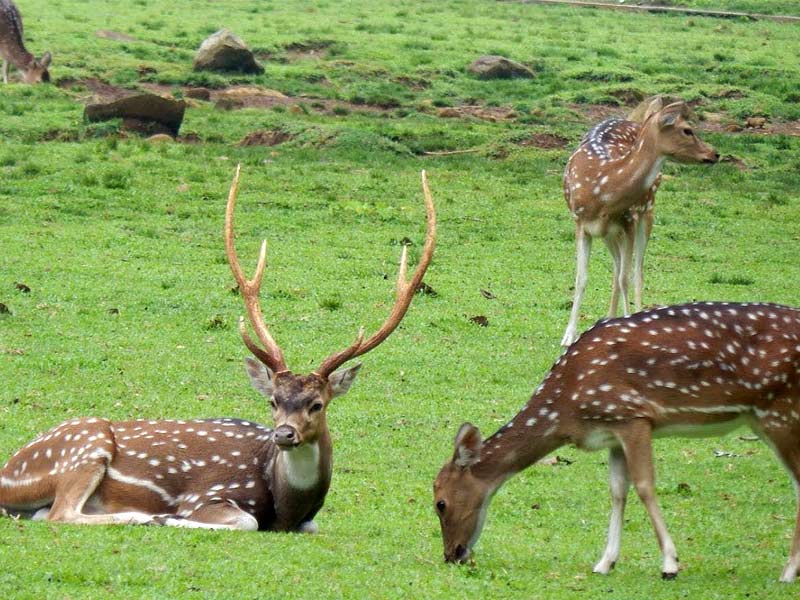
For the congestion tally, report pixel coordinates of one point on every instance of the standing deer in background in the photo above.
(695, 369)
(610, 184)
(210, 473)
(12, 48)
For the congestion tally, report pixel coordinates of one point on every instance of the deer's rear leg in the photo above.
(637, 444)
(584, 249)
(642, 228)
(75, 488)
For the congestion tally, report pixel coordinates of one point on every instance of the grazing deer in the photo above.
(610, 184)
(209, 473)
(12, 48)
(694, 369)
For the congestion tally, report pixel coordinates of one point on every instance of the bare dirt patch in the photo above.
(265, 138)
(96, 88)
(486, 113)
(545, 141)
(311, 49)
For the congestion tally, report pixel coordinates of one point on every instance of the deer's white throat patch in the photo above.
(301, 466)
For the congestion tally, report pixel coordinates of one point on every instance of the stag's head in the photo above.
(299, 402)
(36, 71)
(461, 497)
(676, 136)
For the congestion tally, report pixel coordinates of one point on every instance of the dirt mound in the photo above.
(546, 141)
(263, 137)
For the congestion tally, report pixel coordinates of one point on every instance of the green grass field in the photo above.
(130, 311)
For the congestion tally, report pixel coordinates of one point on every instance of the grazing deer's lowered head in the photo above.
(12, 48)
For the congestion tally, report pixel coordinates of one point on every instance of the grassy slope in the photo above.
(130, 312)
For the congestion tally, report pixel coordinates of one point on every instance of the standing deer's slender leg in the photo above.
(784, 443)
(792, 461)
(584, 250)
(614, 245)
(637, 443)
(5, 71)
(626, 251)
(619, 485)
(643, 227)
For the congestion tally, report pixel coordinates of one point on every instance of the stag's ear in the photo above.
(45, 60)
(468, 446)
(342, 379)
(260, 376)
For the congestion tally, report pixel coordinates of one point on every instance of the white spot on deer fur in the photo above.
(531, 422)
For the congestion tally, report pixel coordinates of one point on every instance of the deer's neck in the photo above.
(307, 466)
(15, 54)
(12, 47)
(637, 171)
(533, 433)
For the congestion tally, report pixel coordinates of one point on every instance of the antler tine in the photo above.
(271, 354)
(405, 293)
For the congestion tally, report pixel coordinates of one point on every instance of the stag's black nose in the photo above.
(285, 436)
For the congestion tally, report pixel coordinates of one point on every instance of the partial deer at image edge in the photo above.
(13, 51)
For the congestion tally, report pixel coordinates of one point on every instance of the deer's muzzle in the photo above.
(286, 437)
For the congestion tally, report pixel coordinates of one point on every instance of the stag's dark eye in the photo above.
(688, 132)
(316, 407)
(440, 506)
(273, 404)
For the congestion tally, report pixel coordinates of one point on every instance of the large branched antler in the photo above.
(405, 294)
(270, 354)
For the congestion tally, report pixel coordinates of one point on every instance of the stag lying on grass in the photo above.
(210, 473)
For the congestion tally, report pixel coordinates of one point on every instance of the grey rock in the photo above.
(224, 51)
(499, 67)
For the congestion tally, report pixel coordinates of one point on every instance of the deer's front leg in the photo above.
(5, 71)
(224, 514)
(619, 485)
(584, 250)
(637, 445)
